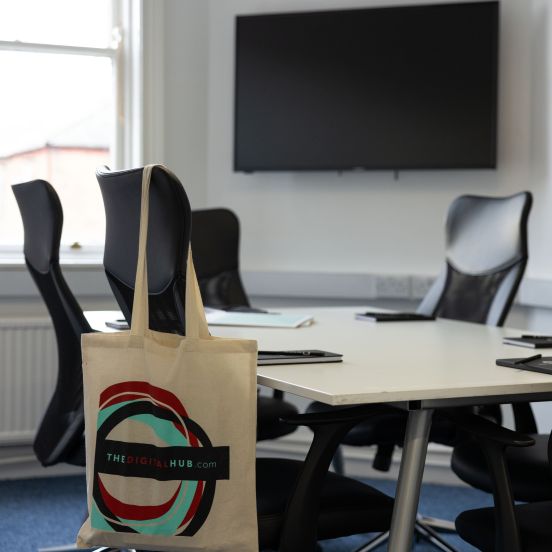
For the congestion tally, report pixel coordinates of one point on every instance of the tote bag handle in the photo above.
(196, 324)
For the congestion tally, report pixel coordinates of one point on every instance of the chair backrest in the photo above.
(486, 255)
(167, 248)
(215, 246)
(58, 438)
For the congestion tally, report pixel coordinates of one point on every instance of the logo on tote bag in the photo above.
(166, 488)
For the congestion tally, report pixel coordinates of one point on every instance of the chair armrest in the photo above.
(350, 415)
(493, 440)
(301, 517)
(485, 430)
(524, 417)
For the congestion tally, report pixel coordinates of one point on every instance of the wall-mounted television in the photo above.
(410, 87)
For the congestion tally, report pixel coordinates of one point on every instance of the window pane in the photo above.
(58, 125)
(70, 22)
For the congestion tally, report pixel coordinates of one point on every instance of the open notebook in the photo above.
(217, 317)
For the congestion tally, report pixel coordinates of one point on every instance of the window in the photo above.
(60, 106)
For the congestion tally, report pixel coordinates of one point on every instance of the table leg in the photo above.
(410, 480)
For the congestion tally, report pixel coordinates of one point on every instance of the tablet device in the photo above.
(120, 324)
(302, 356)
(536, 363)
(530, 341)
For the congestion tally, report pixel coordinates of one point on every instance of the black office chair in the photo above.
(486, 255)
(507, 527)
(297, 503)
(215, 246)
(60, 436)
(529, 480)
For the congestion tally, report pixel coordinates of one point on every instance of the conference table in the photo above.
(417, 366)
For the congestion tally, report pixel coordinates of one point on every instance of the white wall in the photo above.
(185, 47)
(540, 144)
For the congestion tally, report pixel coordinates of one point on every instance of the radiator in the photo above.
(28, 373)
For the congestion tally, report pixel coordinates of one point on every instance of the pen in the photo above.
(528, 359)
(536, 337)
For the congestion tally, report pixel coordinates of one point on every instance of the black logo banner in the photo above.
(162, 463)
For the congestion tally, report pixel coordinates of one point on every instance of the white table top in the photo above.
(387, 362)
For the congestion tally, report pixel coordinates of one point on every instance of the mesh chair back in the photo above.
(486, 255)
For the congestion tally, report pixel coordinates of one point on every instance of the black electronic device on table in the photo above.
(536, 363)
(393, 316)
(530, 341)
(119, 324)
(296, 357)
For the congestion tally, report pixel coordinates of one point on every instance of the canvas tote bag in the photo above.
(170, 430)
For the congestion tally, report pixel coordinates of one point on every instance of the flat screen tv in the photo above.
(378, 88)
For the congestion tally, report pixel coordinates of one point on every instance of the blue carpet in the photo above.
(49, 512)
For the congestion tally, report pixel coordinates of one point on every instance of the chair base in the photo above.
(441, 525)
(421, 531)
(374, 543)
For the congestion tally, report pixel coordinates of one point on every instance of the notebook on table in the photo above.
(296, 357)
(536, 363)
(217, 317)
(118, 324)
(530, 341)
(392, 316)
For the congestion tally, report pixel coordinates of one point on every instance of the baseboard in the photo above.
(21, 463)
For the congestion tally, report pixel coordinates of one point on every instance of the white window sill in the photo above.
(84, 273)
(12, 258)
